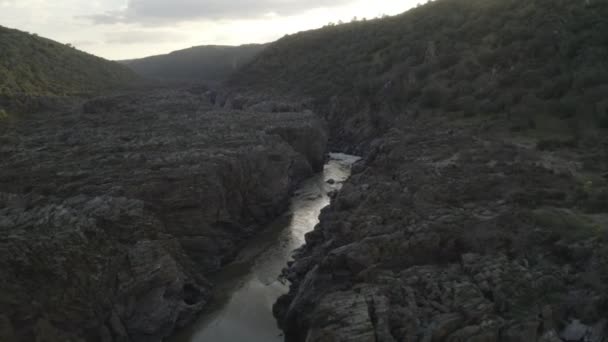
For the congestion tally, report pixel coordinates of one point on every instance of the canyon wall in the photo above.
(115, 213)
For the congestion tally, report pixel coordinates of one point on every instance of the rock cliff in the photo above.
(458, 230)
(114, 214)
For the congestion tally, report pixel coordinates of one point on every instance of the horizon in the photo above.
(133, 29)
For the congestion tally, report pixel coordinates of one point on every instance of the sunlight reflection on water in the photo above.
(249, 286)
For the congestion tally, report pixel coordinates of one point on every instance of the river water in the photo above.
(247, 288)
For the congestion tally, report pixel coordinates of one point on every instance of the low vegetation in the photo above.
(568, 224)
(32, 65)
(469, 57)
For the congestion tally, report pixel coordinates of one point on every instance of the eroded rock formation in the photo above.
(114, 214)
(458, 231)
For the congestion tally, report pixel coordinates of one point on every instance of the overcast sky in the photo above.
(121, 29)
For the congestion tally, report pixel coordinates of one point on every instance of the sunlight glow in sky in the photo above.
(122, 29)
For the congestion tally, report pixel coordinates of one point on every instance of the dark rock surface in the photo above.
(458, 231)
(113, 215)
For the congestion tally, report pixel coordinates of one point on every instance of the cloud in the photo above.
(139, 37)
(110, 17)
(163, 11)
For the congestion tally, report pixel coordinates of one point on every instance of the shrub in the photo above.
(505, 100)
(602, 114)
(488, 57)
(556, 144)
(422, 72)
(449, 60)
(545, 56)
(467, 104)
(564, 223)
(567, 107)
(555, 88)
(597, 201)
(590, 77)
(432, 96)
(487, 106)
(37, 66)
(530, 79)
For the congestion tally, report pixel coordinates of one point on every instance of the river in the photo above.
(247, 288)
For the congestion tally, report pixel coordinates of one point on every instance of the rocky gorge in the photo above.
(114, 211)
(458, 230)
(448, 230)
(477, 212)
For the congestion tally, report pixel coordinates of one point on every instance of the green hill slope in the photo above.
(468, 57)
(201, 63)
(32, 65)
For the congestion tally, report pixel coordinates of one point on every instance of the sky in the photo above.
(125, 29)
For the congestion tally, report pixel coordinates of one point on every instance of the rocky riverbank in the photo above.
(459, 230)
(241, 309)
(114, 213)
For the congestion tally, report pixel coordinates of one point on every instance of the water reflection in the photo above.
(248, 287)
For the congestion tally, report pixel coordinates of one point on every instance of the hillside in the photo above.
(200, 63)
(33, 65)
(477, 211)
(480, 209)
(473, 58)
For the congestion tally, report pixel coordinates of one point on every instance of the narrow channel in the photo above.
(249, 286)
